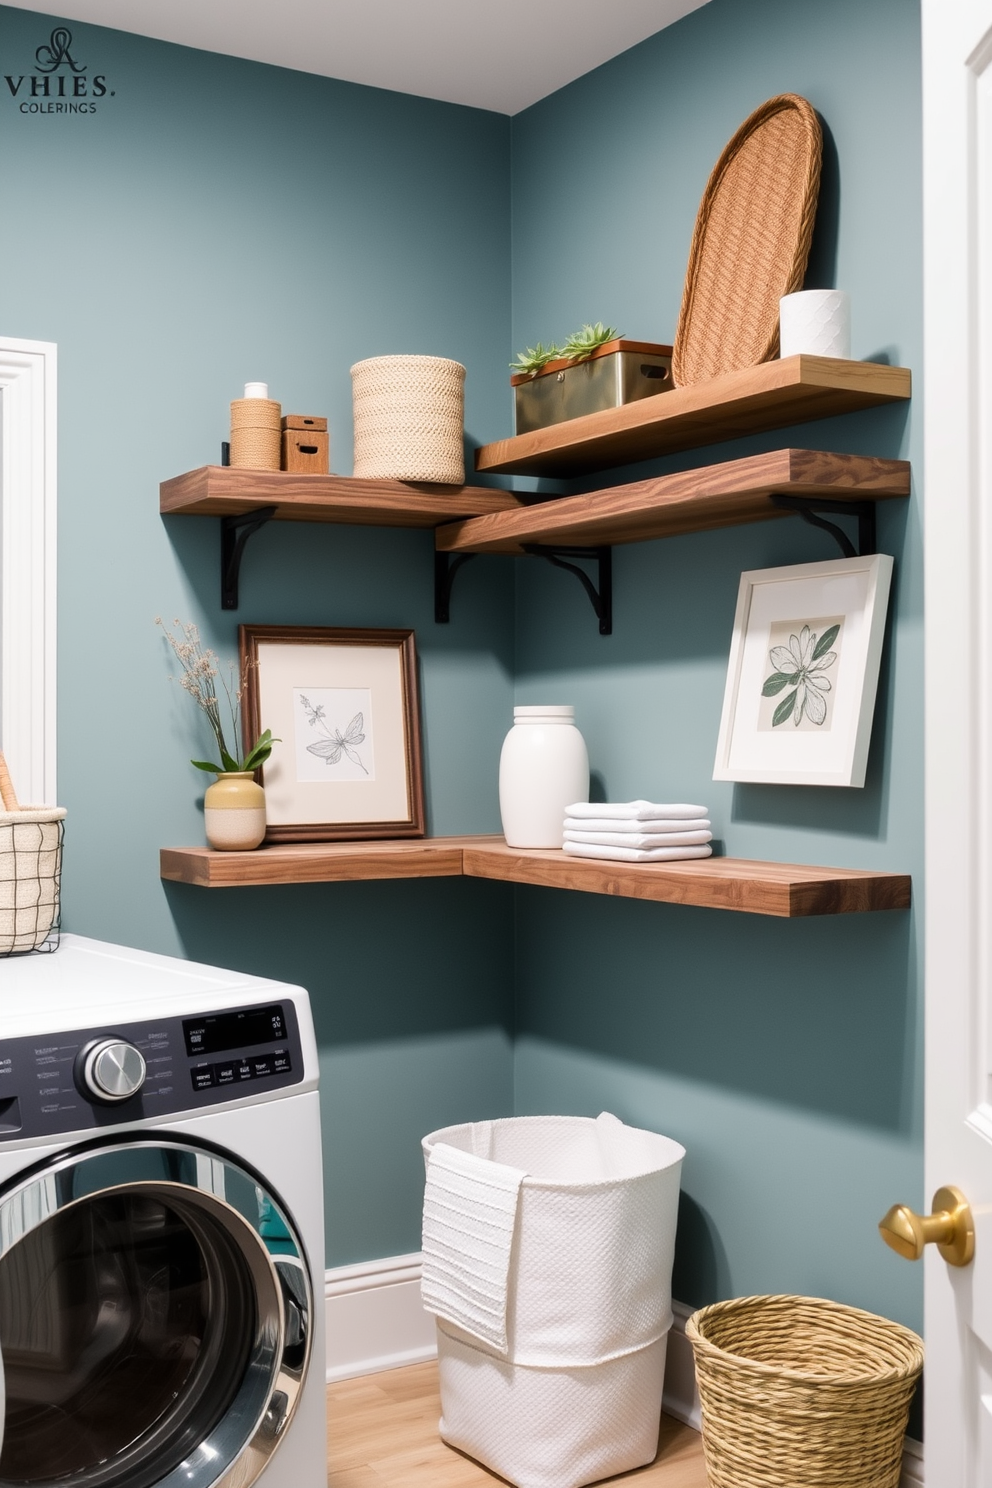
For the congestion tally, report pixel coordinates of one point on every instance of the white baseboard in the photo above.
(375, 1321)
(680, 1398)
(912, 1465)
(374, 1318)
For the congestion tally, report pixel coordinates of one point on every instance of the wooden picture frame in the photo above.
(344, 706)
(803, 673)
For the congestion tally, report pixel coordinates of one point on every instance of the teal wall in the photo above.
(171, 260)
(785, 1056)
(217, 221)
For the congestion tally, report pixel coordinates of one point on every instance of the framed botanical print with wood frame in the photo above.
(344, 709)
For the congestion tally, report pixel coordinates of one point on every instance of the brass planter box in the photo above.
(619, 372)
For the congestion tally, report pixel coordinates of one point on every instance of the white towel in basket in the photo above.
(470, 1213)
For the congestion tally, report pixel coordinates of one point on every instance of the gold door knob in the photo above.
(950, 1227)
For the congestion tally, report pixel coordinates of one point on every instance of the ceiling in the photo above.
(493, 54)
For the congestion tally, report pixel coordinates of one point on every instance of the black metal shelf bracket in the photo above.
(234, 534)
(445, 568)
(601, 598)
(810, 507)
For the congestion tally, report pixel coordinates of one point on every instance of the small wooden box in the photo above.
(305, 445)
(305, 421)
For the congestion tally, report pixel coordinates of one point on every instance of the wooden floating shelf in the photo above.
(223, 491)
(692, 501)
(317, 862)
(787, 890)
(770, 396)
(781, 889)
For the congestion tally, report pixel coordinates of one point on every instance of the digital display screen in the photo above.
(217, 1032)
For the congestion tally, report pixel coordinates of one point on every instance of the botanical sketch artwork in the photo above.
(333, 728)
(804, 662)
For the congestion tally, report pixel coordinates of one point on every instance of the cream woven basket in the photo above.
(798, 1391)
(409, 419)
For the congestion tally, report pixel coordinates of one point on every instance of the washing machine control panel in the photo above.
(93, 1077)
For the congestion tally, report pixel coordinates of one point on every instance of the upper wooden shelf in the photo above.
(770, 396)
(692, 501)
(781, 889)
(223, 491)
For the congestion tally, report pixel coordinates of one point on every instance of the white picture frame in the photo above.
(811, 635)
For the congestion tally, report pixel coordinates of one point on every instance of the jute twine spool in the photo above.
(409, 419)
(795, 1390)
(256, 433)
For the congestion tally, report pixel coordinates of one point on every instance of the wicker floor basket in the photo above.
(802, 1393)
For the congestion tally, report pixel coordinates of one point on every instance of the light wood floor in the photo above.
(382, 1433)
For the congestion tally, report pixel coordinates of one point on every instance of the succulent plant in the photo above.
(583, 343)
(534, 358)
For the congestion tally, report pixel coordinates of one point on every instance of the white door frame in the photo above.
(957, 238)
(28, 473)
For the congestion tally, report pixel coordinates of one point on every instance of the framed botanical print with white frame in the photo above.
(803, 673)
(343, 707)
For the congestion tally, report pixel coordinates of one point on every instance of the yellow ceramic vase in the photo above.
(234, 812)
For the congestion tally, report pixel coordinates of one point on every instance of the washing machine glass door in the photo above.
(155, 1309)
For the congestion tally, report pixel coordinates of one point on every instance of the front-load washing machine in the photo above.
(161, 1226)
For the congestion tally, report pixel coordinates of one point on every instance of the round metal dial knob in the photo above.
(113, 1070)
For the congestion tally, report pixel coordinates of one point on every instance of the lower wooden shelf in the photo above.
(724, 495)
(786, 890)
(317, 862)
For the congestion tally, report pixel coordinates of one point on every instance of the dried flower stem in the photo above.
(200, 670)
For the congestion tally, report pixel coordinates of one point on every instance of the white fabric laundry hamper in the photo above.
(548, 1246)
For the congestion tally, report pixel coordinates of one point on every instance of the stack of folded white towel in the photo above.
(637, 831)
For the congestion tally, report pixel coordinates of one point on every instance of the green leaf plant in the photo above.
(531, 361)
(200, 669)
(591, 337)
(580, 344)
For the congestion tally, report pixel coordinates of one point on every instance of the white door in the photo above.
(27, 565)
(957, 131)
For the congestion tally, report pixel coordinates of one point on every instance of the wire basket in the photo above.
(796, 1390)
(30, 879)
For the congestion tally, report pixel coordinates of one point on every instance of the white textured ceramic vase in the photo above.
(544, 767)
(815, 322)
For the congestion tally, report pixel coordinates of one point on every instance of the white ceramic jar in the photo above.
(815, 322)
(544, 767)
